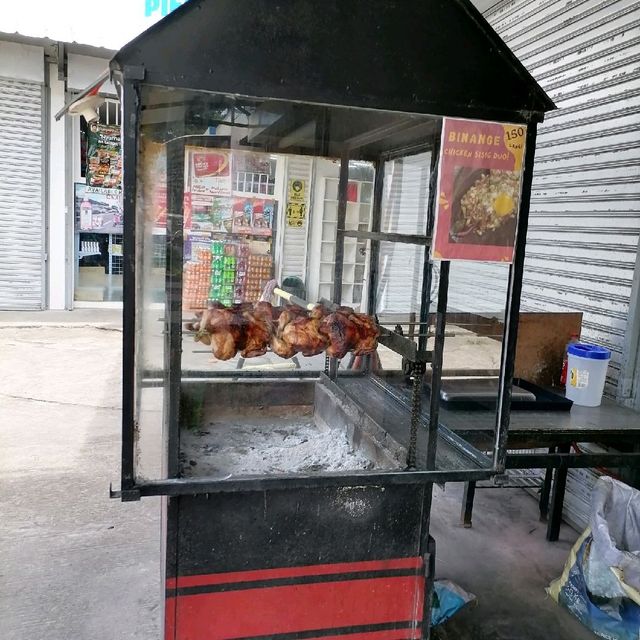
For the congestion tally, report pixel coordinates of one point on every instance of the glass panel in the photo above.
(400, 269)
(406, 194)
(472, 349)
(233, 200)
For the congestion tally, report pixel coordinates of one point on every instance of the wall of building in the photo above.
(585, 206)
(22, 181)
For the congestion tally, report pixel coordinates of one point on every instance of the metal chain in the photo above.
(326, 364)
(416, 406)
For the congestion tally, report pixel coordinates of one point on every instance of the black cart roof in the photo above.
(435, 57)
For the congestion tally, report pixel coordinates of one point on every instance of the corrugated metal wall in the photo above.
(585, 207)
(294, 248)
(404, 210)
(21, 196)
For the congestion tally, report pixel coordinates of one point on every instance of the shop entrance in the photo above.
(98, 208)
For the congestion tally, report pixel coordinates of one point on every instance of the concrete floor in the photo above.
(77, 565)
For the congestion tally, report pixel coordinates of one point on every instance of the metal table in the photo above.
(608, 424)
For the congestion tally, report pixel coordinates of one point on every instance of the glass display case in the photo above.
(298, 434)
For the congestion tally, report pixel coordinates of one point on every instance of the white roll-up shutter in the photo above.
(21, 196)
(585, 205)
(404, 210)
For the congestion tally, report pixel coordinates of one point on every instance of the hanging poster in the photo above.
(296, 205)
(208, 174)
(479, 185)
(104, 161)
(253, 216)
(154, 181)
(97, 210)
(214, 216)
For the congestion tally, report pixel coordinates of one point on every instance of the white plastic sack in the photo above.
(613, 567)
(600, 584)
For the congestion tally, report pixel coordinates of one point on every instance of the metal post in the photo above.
(131, 106)
(427, 273)
(557, 497)
(428, 547)
(512, 316)
(374, 253)
(467, 504)
(173, 303)
(343, 186)
(436, 365)
(543, 505)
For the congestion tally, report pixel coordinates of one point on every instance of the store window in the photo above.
(98, 208)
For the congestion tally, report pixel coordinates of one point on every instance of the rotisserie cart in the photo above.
(297, 491)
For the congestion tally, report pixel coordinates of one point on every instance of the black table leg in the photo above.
(546, 490)
(467, 504)
(557, 498)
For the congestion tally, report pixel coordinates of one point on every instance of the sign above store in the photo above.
(160, 7)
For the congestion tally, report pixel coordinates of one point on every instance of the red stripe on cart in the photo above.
(293, 572)
(391, 634)
(273, 611)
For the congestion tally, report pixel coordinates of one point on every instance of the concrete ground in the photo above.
(77, 565)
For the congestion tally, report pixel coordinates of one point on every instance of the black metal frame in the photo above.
(416, 354)
(130, 105)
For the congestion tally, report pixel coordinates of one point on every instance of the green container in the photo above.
(228, 277)
(217, 248)
(216, 277)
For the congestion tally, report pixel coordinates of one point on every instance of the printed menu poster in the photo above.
(209, 174)
(479, 188)
(104, 161)
(97, 210)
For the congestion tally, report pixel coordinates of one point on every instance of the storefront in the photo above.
(97, 206)
(22, 194)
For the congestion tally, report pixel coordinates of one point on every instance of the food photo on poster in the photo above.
(97, 210)
(104, 160)
(480, 179)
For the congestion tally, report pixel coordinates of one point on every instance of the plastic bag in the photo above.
(615, 528)
(600, 584)
(448, 598)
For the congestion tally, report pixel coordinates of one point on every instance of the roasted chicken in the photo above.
(258, 326)
(279, 345)
(252, 329)
(350, 331)
(304, 335)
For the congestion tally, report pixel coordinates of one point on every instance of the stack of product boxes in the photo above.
(223, 272)
(228, 273)
(196, 280)
(258, 274)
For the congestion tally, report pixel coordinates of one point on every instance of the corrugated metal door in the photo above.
(404, 210)
(21, 196)
(585, 206)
